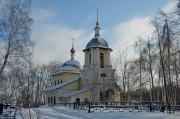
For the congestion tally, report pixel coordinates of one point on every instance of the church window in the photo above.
(55, 82)
(48, 100)
(103, 74)
(101, 60)
(54, 100)
(61, 80)
(51, 100)
(58, 81)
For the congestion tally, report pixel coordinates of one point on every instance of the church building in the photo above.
(94, 82)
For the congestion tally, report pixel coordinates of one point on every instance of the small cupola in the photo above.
(72, 50)
(71, 65)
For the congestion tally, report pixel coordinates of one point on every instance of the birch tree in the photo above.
(15, 22)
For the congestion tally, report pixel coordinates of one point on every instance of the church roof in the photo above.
(76, 92)
(59, 71)
(61, 84)
(97, 42)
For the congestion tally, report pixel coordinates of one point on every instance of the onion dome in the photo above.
(71, 65)
(97, 41)
(72, 50)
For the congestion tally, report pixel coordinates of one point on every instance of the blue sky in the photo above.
(56, 22)
(82, 13)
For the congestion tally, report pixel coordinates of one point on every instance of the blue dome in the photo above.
(70, 65)
(97, 42)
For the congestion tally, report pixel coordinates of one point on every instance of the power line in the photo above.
(133, 34)
(129, 40)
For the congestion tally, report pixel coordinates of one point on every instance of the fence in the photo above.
(122, 106)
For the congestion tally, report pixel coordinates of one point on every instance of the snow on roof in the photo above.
(70, 65)
(59, 71)
(61, 84)
(76, 92)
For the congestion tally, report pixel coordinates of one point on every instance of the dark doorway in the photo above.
(102, 96)
(78, 100)
(110, 95)
(107, 95)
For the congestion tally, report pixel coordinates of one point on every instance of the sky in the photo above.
(56, 22)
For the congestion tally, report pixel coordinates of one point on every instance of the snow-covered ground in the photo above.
(60, 112)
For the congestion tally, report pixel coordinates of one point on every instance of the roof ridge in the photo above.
(61, 84)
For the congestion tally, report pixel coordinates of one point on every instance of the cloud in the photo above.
(170, 6)
(128, 32)
(43, 15)
(89, 19)
(53, 41)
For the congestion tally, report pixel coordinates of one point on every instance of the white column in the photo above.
(109, 59)
(92, 57)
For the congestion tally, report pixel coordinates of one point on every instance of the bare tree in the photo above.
(139, 45)
(121, 65)
(150, 60)
(14, 32)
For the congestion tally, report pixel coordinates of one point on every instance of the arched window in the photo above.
(58, 81)
(55, 82)
(48, 100)
(51, 100)
(78, 101)
(54, 100)
(101, 60)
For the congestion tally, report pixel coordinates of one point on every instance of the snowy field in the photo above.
(46, 112)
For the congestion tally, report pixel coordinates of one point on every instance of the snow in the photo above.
(70, 65)
(68, 68)
(61, 71)
(61, 84)
(61, 112)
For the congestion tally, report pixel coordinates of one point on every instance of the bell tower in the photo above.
(97, 71)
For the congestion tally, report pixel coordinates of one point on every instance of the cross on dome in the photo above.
(72, 50)
(97, 28)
